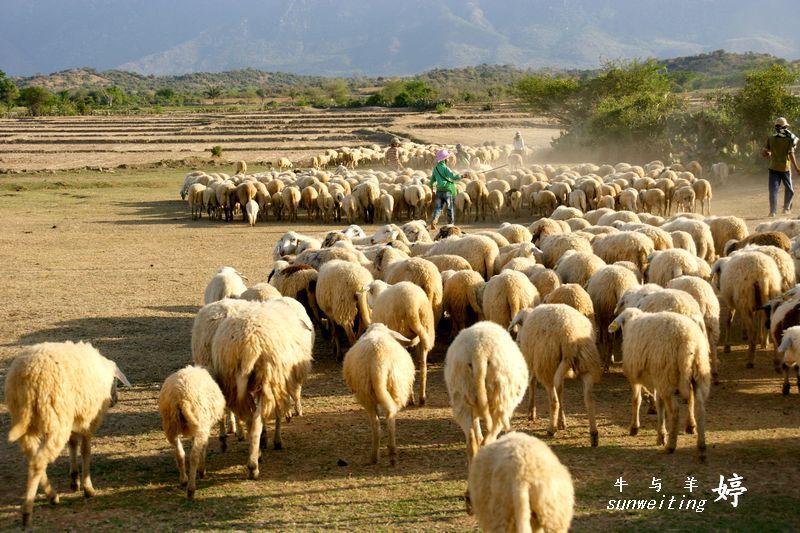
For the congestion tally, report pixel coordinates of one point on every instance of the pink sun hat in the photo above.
(441, 155)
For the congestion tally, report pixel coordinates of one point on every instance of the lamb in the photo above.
(624, 246)
(195, 196)
(684, 198)
(705, 297)
(747, 281)
(339, 292)
(665, 352)
(462, 206)
(505, 295)
(79, 385)
(226, 283)
(486, 377)
(666, 265)
(190, 403)
(479, 250)
(518, 484)
(405, 308)
(260, 358)
(495, 201)
(605, 288)
(291, 197)
(702, 191)
(558, 342)
(460, 299)
(251, 208)
(577, 267)
(790, 347)
(392, 268)
(380, 374)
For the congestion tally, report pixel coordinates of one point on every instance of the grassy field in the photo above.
(115, 259)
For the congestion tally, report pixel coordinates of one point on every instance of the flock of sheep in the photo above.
(518, 305)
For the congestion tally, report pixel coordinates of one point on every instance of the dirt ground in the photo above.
(115, 259)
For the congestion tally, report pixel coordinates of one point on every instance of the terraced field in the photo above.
(60, 143)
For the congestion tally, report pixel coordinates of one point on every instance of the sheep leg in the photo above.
(180, 460)
(74, 476)
(700, 414)
(423, 373)
(49, 491)
(786, 387)
(238, 427)
(390, 429)
(588, 401)
(35, 473)
(86, 466)
(277, 443)
(554, 407)
(671, 414)
(691, 423)
(726, 320)
(532, 397)
(298, 403)
(201, 465)
(559, 382)
(660, 424)
(254, 437)
(636, 403)
(375, 429)
(475, 437)
(752, 340)
(194, 460)
(223, 435)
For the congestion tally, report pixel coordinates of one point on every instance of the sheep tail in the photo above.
(521, 500)
(364, 319)
(21, 427)
(481, 396)
(381, 390)
(186, 415)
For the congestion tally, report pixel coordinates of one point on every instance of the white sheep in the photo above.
(667, 353)
(518, 484)
(486, 377)
(790, 348)
(190, 403)
(58, 392)
(405, 308)
(577, 267)
(558, 342)
(505, 294)
(606, 287)
(380, 374)
(461, 299)
(260, 357)
(480, 250)
(226, 283)
(666, 265)
(251, 207)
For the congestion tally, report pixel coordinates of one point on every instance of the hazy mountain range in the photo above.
(379, 37)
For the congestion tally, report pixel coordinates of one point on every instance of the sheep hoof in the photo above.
(392, 461)
(277, 446)
(562, 424)
(670, 449)
(88, 492)
(595, 439)
(54, 499)
(190, 494)
(660, 440)
(184, 482)
(551, 432)
(715, 378)
(26, 519)
(201, 474)
(223, 444)
(252, 472)
(690, 430)
(422, 402)
(749, 365)
(74, 481)
(634, 431)
(468, 503)
(786, 388)
(651, 410)
(726, 349)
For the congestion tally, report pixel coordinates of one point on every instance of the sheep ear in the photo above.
(120, 376)
(785, 344)
(613, 327)
(394, 235)
(403, 340)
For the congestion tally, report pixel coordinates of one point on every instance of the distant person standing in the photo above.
(780, 149)
(392, 155)
(443, 183)
(462, 157)
(519, 145)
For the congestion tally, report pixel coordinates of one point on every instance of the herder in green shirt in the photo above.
(443, 183)
(780, 150)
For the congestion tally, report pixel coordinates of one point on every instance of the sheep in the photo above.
(574, 296)
(479, 250)
(747, 281)
(190, 403)
(703, 293)
(505, 295)
(416, 231)
(291, 198)
(195, 195)
(558, 342)
(684, 198)
(518, 484)
(545, 280)
(577, 267)
(380, 374)
(298, 282)
(507, 253)
(605, 288)
(653, 201)
(251, 208)
(514, 233)
(292, 243)
(700, 232)
(702, 191)
(543, 228)
(554, 246)
(405, 308)
(366, 196)
(226, 283)
(724, 229)
(245, 192)
(627, 217)
(486, 377)
(667, 353)
(449, 262)
(58, 392)
(462, 204)
(681, 239)
(495, 201)
(284, 163)
(460, 299)
(392, 268)
(790, 347)
(766, 238)
(624, 246)
(670, 264)
(260, 359)
(385, 207)
(260, 292)
(339, 293)
(784, 262)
